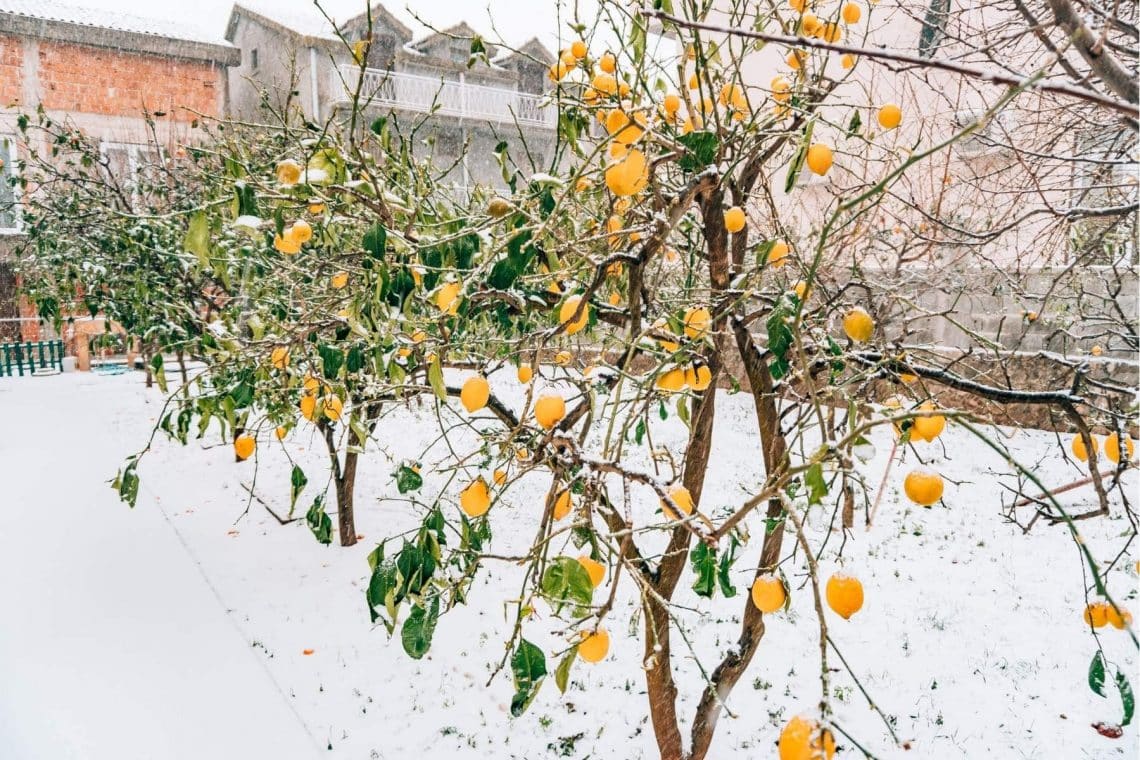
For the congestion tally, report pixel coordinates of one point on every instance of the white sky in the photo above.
(516, 20)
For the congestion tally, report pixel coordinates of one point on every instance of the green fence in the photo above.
(29, 356)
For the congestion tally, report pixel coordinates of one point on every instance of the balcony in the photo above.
(429, 95)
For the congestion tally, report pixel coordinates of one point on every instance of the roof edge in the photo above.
(120, 39)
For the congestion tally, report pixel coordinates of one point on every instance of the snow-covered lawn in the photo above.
(181, 629)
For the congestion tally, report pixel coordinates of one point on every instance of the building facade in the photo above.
(107, 74)
(459, 112)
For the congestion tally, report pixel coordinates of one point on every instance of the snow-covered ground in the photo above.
(180, 629)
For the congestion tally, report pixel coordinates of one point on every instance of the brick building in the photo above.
(101, 72)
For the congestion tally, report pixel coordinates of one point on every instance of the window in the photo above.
(253, 62)
(1103, 197)
(9, 210)
(134, 168)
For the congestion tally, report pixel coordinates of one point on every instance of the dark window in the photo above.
(253, 59)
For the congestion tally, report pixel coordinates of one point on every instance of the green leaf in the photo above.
(562, 672)
(814, 481)
(780, 337)
(158, 369)
(723, 573)
(419, 628)
(703, 560)
(567, 582)
(127, 484)
(701, 150)
(797, 164)
(435, 378)
(332, 358)
(197, 239)
(683, 410)
(297, 483)
(855, 124)
(529, 667)
(1127, 698)
(376, 241)
(319, 522)
(639, 431)
(408, 479)
(1096, 673)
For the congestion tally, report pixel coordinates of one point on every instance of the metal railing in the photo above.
(424, 94)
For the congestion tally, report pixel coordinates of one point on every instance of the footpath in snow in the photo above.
(113, 645)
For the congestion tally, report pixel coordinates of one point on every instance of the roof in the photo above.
(306, 21)
(50, 10)
(125, 31)
(532, 48)
(461, 31)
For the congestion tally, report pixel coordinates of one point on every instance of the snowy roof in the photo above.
(307, 21)
(52, 11)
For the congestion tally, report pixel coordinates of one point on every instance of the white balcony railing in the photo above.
(423, 94)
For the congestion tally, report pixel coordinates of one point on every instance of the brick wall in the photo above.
(78, 78)
(11, 64)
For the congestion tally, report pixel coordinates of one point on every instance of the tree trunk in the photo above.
(345, 492)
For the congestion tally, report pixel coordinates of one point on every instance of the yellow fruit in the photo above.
(847, 61)
(768, 594)
(852, 13)
(923, 487)
(614, 298)
(286, 245)
(803, 739)
(563, 358)
(475, 499)
(890, 116)
(1096, 350)
(525, 373)
(628, 176)
(288, 172)
(844, 595)
(858, 325)
(799, 6)
(607, 63)
(694, 82)
(810, 24)
(594, 646)
(733, 95)
(562, 505)
(778, 254)
(244, 445)
(1078, 447)
(301, 231)
(568, 310)
(316, 208)
(802, 291)
(830, 32)
(447, 298)
(819, 158)
(1118, 620)
(682, 498)
(671, 381)
(1112, 448)
(697, 322)
(557, 71)
(671, 104)
(1096, 614)
(702, 378)
(928, 425)
(796, 59)
(475, 393)
(568, 59)
(781, 89)
(500, 477)
(281, 432)
(583, 184)
(605, 84)
(339, 280)
(578, 49)
(735, 219)
(279, 357)
(499, 207)
(690, 376)
(549, 410)
(333, 407)
(596, 570)
(308, 406)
